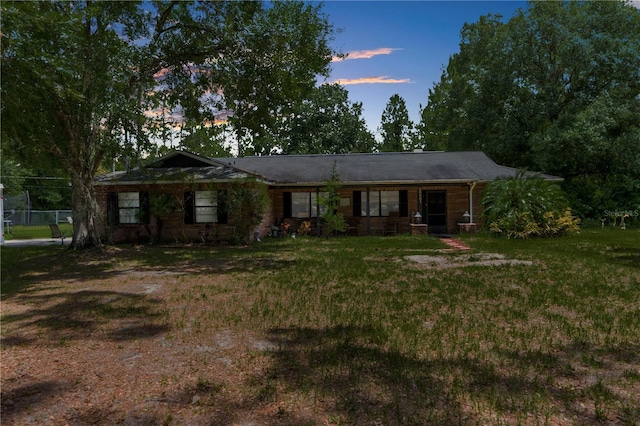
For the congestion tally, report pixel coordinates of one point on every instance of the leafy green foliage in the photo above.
(556, 88)
(326, 122)
(395, 127)
(85, 81)
(207, 141)
(246, 201)
(13, 176)
(287, 47)
(161, 205)
(523, 207)
(332, 220)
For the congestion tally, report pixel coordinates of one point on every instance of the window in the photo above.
(203, 207)
(380, 203)
(389, 202)
(128, 207)
(302, 204)
(206, 206)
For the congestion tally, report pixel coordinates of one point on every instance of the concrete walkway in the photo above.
(35, 242)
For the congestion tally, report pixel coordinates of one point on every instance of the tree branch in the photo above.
(162, 20)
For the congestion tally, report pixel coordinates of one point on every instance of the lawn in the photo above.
(21, 232)
(307, 331)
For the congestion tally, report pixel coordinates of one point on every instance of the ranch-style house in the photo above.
(379, 194)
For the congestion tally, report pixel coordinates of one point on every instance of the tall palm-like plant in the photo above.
(524, 206)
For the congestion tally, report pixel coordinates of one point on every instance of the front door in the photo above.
(434, 206)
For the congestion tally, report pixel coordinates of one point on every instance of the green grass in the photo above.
(385, 340)
(21, 232)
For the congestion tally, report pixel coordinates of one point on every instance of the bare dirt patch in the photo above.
(459, 261)
(129, 347)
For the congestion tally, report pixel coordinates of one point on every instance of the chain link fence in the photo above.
(37, 217)
(28, 224)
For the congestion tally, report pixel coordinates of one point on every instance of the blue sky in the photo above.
(400, 47)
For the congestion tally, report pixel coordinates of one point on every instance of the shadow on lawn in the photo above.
(74, 316)
(28, 397)
(627, 256)
(362, 383)
(23, 268)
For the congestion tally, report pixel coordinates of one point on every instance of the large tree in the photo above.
(556, 88)
(326, 122)
(80, 79)
(395, 126)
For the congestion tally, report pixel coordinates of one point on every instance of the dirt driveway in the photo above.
(126, 348)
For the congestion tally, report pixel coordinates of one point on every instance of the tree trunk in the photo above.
(87, 217)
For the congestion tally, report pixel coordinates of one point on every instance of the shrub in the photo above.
(524, 207)
(246, 201)
(333, 220)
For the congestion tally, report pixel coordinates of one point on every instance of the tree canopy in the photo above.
(556, 89)
(325, 122)
(395, 126)
(85, 81)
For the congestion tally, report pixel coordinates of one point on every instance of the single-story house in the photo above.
(380, 193)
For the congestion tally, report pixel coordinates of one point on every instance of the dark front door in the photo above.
(434, 206)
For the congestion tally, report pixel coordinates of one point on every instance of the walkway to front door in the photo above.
(455, 244)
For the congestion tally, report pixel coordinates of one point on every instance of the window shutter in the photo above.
(112, 209)
(286, 204)
(357, 203)
(404, 203)
(222, 207)
(144, 208)
(189, 199)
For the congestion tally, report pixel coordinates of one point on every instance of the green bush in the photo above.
(246, 201)
(332, 219)
(524, 207)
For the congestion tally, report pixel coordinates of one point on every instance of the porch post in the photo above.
(318, 218)
(471, 186)
(368, 214)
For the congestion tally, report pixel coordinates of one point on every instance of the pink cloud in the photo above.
(383, 79)
(365, 54)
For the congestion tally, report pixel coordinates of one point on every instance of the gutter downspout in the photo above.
(471, 186)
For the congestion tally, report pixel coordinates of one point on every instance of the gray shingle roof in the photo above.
(395, 167)
(390, 167)
(219, 172)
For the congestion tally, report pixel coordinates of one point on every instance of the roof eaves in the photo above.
(384, 183)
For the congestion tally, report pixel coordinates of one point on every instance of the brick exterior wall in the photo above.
(457, 203)
(173, 224)
(174, 228)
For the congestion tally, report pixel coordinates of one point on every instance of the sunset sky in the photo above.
(400, 47)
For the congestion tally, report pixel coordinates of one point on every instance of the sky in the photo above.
(400, 47)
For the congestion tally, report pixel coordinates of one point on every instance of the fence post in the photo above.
(57, 221)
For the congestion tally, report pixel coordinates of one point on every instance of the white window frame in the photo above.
(128, 207)
(205, 207)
